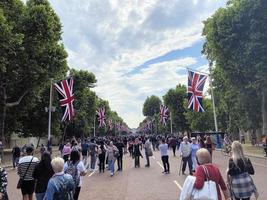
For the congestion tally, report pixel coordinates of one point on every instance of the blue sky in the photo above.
(135, 48)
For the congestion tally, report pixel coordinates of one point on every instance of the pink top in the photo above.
(66, 150)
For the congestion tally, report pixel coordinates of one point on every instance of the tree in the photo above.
(31, 53)
(175, 100)
(201, 121)
(237, 43)
(151, 106)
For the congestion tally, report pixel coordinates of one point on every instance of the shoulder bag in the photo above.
(209, 190)
(21, 179)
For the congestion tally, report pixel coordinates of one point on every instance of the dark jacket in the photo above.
(242, 166)
(42, 173)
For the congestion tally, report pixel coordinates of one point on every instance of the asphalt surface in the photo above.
(145, 183)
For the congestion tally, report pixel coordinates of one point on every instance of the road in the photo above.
(145, 183)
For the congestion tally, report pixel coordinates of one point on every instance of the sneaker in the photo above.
(111, 174)
(163, 172)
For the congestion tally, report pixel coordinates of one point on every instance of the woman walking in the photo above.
(112, 153)
(66, 151)
(240, 168)
(206, 168)
(194, 149)
(101, 157)
(208, 145)
(42, 173)
(3, 184)
(137, 153)
(76, 169)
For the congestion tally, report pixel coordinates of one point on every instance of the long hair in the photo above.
(46, 159)
(74, 156)
(237, 152)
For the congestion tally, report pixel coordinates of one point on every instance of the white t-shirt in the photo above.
(81, 168)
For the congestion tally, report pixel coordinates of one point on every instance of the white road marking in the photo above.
(160, 164)
(91, 173)
(178, 185)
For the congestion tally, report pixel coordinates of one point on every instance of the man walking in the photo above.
(120, 147)
(92, 151)
(15, 156)
(148, 151)
(185, 152)
(163, 147)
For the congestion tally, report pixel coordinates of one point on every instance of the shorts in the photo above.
(27, 187)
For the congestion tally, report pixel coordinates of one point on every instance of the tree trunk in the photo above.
(264, 113)
(2, 112)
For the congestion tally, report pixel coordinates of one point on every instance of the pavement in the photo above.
(145, 183)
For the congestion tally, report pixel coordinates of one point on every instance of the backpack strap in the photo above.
(206, 171)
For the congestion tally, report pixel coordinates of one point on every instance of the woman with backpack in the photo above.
(42, 173)
(76, 169)
(240, 168)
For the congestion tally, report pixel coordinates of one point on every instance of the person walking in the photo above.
(25, 170)
(66, 151)
(185, 153)
(102, 156)
(207, 170)
(42, 173)
(208, 145)
(148, 151)
(120, 147)
(265, 146)
(15, 156)
(76, 169)
(173, 143)
(194, 148)
(112, 153)
(92, 152)
(163, 147)
(85, 148)
(239, 170)
(60, 186)
(137, 153)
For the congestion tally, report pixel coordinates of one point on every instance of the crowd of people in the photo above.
(60, 177)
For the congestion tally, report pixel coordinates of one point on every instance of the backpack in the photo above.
(64, 192)
(72, 170)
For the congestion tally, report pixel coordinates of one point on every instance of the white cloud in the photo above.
(112, 37)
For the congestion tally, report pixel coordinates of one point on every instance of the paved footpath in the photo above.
(145, 183)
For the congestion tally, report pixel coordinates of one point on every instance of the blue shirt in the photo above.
(163, 149)
(59, 185)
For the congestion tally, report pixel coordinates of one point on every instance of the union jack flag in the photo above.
(101, 116)
(65, 91)
(196, 84)
(163, 114)
(110, 124)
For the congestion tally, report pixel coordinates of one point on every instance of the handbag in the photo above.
(21, 179)
(149, 152)
(209, 190)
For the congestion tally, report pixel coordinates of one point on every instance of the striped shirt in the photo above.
(23, 165)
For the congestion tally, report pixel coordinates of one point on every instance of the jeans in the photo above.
(136, 161)
(111, 166)
(147, 159)
(40, 196)
(166, 165)
(101, 162)
(189, 161)
(119, 161)
(93, 161)
(15, 161)
(174, 149)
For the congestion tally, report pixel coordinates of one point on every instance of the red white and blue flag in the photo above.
(163, 114)
(101, 116)
(110, 124)
(196, 84)
(65, 91)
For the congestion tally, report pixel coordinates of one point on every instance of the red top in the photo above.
(214, 175)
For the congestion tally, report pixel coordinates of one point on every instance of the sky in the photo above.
(136, 48)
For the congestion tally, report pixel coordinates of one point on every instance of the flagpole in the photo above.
(171, 121)
(213, 106)
(50, 111)
(94, 126)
